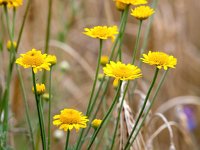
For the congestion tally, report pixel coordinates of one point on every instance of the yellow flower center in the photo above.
(161, 58)
(33, 58)
(70, 117)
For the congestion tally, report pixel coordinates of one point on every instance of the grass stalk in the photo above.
(143, 107)
(150, 106)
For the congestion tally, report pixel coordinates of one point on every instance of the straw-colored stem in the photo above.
(143, 107)
(49, 113)
(105, 118)
(40, 113)
(119, 113)
(151, 104)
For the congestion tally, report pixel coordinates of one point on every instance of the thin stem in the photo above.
(149, 108)
(49, 114)
(22, 25)
(121, 30)
(124, 18)
(143, 107)
(26, 107)
(67, 139)
(89, 108)
(46, 50)
(5, 100)
(96, 76)
(106, 116)
(40, 113)
(137, 42)
(119, 113)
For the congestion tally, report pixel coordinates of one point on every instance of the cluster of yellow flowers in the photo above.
(11, 3)
(70, 118)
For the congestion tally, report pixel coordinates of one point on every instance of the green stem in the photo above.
(40, 113)
(89, 108)
(26, 107)
(49, 114)
(46, 50)
(149, 108)
(143, 107)
(106, 116)
(118, 117)
(144, 45)
(67, 139)
(96, 76)
(124, 18)
(137, 42)
(5, 100)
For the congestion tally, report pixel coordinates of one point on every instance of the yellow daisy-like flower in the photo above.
(160, 59)
(40, 88)
(133, 2)
(9, 44)
(11, 3)
(142, 12)
(52, 59)
(122, 71)
(96, 123)
(69, 119)
(104, 60)
(34, 59)
(102, 32)
(120, 6)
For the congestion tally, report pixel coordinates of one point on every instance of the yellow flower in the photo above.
(120, 6)
(11, 3)
(34, 59)
(133, 2)
(121, 71)
(115, 83)
(52, 59)
(102, 32)
(160, 59)
(96, 123)
(69, 119)
(9, 44)
(104, 60)
(142, 12)
(40, 88)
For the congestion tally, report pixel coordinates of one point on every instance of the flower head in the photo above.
(122, 71)
(102, 32)
(120, 6)
(133, 2)
(69, 119)
(10, 44)
(104, 60)
(11, 3)
(40, 88)
(160, 59)
(96, 123)
(52, 59)
(34, 59)
(142, 12)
